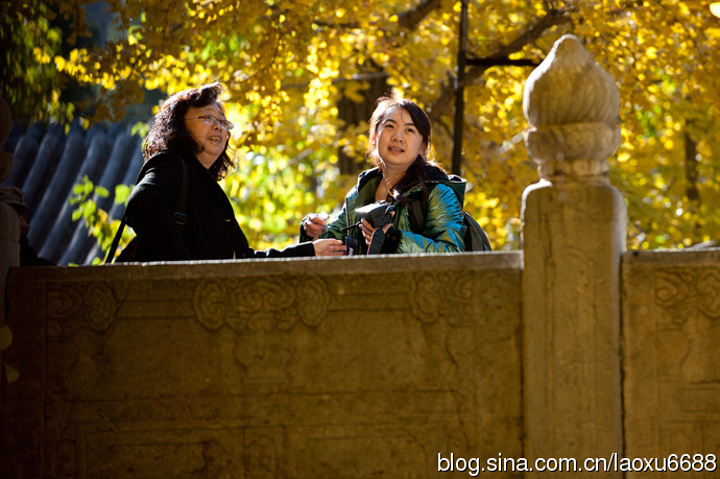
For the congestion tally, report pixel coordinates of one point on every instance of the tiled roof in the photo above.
(48, 163)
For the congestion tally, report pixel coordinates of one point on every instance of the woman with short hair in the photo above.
(188, 142)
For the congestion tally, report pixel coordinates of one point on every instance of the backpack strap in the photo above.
(417, 217)
(110, 256)
(179, 215)
(417, 208)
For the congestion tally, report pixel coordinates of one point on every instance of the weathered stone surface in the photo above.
(572, 106)
(574, 238)
(574, 227)
(671, 329)
(349, 367)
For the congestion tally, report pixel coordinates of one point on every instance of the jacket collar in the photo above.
(368, 175)
(433, 174)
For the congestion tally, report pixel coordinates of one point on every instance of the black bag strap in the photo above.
(417, 207)
(179, 215)
(110, 256)
(417, 218)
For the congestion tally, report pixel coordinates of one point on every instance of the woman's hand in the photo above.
(329, 247)
(315, 224)
(368, 230)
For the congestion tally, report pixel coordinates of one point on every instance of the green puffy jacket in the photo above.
(443, 231)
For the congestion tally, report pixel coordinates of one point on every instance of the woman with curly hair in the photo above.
(188, 142)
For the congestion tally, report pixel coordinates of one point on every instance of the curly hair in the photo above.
(168, 131)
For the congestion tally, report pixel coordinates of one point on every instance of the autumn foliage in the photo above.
(301, 75)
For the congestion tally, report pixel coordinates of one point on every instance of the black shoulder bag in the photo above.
(180, 216)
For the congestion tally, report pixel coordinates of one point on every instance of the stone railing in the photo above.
(397, 366)
(347, 367)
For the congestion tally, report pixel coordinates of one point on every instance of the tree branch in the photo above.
(552, 18)
(409, 19)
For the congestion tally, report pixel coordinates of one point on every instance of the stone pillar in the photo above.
(9, 236)
(9, 222)
(574, 235)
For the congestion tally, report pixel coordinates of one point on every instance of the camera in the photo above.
(377, 214)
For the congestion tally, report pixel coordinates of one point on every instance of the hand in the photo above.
(315, 224)
(329, 247)
(368, 230)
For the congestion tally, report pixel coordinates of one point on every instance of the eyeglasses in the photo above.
(212, 121)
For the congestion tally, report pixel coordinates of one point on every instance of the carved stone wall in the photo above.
(353, 367)
(671, 329)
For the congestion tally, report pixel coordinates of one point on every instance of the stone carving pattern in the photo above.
(95, 303)
(688, 332)
(572, 106)
(260, 457)
(442, 295)
(261, 312)
(690, 298)
(684, 291)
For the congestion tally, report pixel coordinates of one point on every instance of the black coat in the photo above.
(211, 231)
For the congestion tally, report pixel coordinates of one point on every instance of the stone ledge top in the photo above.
(510, 260)
(673, 257)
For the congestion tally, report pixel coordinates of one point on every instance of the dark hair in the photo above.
(168, 131)
(415, 173)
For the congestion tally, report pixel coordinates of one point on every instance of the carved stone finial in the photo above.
(572, 106)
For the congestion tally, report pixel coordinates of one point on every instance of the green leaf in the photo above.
(102, 192)
(122, 193)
